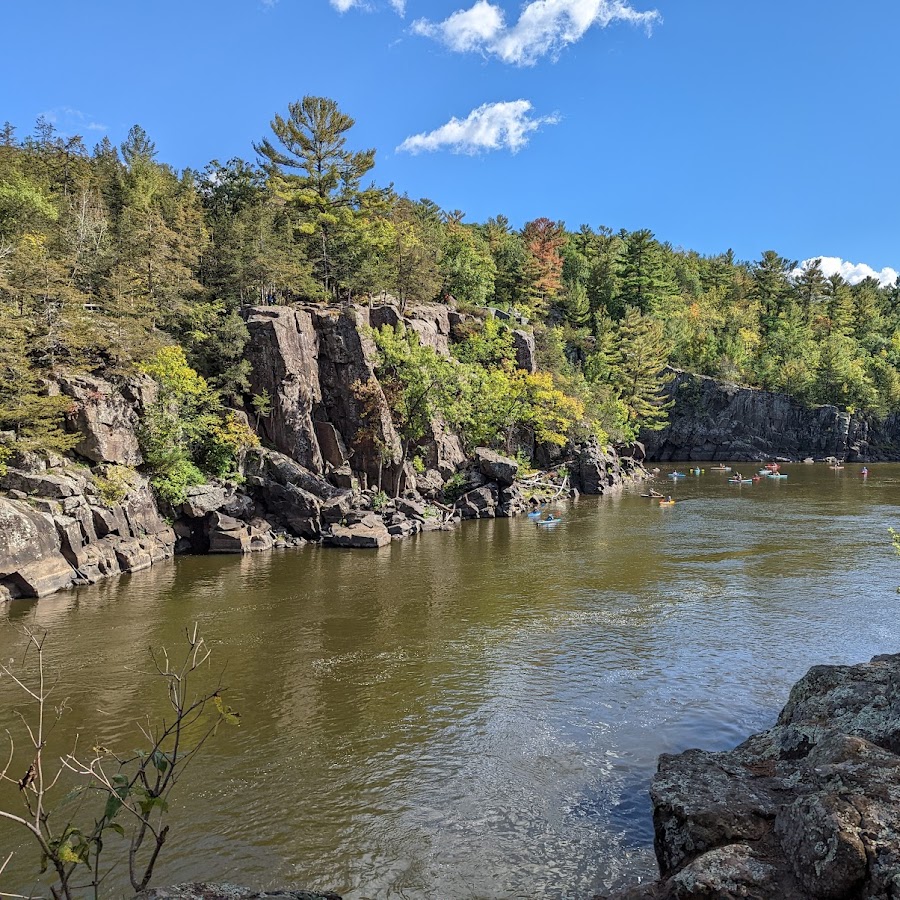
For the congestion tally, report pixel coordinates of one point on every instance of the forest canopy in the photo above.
(109, 255)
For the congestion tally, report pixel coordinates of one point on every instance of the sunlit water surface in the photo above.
(477, 714)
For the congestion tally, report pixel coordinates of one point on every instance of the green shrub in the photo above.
(114, 485)
(454, 487)
(172, 484)
(379, 500)
(226, 442)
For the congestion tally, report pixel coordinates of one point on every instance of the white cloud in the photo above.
(69, 121)
(544, 27)
(399, 6)
(852, 272)
(493, 126)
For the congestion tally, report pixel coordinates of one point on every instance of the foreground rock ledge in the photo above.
(207, 891)
(809, 810)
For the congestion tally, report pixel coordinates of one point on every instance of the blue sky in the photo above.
(714, 123)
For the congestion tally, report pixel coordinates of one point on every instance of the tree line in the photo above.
(109, 255)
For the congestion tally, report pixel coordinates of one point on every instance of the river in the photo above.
(477, 714)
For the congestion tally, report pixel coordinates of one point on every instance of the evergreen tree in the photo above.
(639, 370)
(811, 287)
(644, 282)
(327, 196)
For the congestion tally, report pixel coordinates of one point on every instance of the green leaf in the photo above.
(226, 712)
(113, 804)
(160, 760)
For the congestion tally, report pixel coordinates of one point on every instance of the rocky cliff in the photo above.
(318, 478)
(712, 420)
(809, 810)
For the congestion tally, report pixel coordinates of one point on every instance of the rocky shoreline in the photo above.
(332, 469)
(714, 420)
(58, 529)
(809, 810)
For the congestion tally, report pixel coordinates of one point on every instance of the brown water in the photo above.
(477, 714)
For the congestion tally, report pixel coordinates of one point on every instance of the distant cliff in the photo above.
(715, 420)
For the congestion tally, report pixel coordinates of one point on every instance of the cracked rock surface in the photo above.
(809, 810)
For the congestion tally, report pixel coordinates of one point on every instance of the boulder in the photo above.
(286, 471)
(809, 810)
(596, 469)
(203, 499)
(132, 554)
(369, 533)
(50, 486)
(495, 467)
(512, 502)
(228, 535)
(480, 503)
(430, 484)
(31, 564)
(526, 354)
(104, 418)
(442, 449)
(335, 511)
(431, 323)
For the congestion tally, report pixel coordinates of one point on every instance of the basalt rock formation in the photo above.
(331, 472)
(57, 529)
(809, 810)
(713, 420)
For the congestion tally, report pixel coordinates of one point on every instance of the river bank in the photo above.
(332, 467)
(61, 527)
(715, 420)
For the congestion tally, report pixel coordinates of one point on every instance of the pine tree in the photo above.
(644, 282)
(641, 358)
(327, 196)
(811, 287)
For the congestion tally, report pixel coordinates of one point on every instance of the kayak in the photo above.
(548, 522)
(777, 475)
(720, 469)
(666, 502)
(653, 496)
(677, 475)
(533, 515)
(740, 481)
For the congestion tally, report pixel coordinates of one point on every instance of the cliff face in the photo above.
(327, 451)
(311, 361)
(712, 420)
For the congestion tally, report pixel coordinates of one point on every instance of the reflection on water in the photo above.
(477, 714)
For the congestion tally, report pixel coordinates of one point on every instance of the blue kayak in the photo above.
(548, 521)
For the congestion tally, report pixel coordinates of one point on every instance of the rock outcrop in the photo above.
(713, 420)
(57, 529)
(210, 891)
(333, 470)
(809, 810)
(105, 419)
